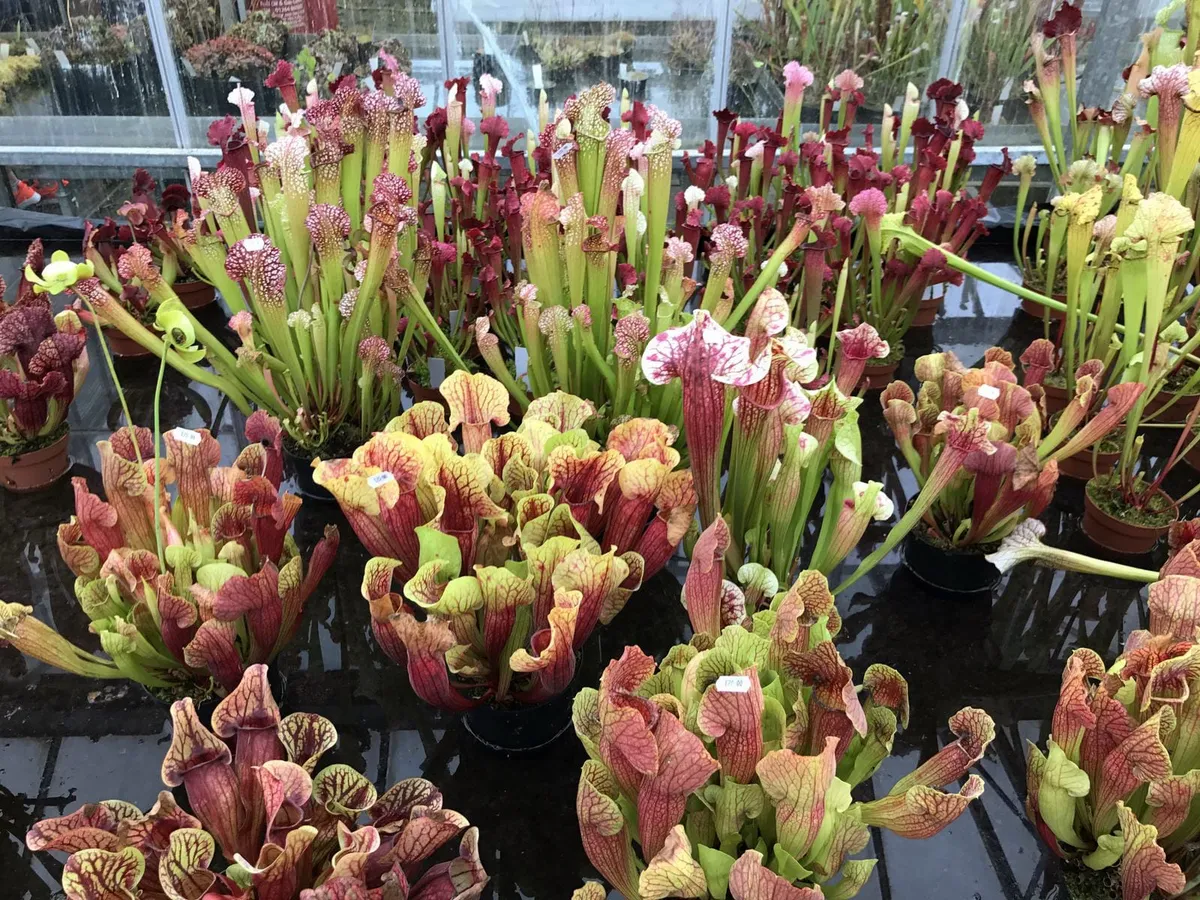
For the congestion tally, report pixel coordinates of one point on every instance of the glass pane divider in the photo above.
(168, 68)
(950, 61)
(722, 46)
(446, 41)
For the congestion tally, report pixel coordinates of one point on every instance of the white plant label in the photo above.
(375, 482)
(187, 436)
(733, 684)
(537, 77)
(989, 391)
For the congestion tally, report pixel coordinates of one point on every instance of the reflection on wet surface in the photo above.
(64, 740)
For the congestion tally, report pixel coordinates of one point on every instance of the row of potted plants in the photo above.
(512, 544)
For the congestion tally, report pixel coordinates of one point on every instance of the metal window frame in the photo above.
(99, 161)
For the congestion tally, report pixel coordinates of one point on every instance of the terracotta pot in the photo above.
(876, 378)
(1035, 309)
(927, 311)
(1114, 534)
(1193, 458)
(1178, 411)
(1079, 466)
(195, 294)
(123, 346)
(26, 472)
(1057, 398)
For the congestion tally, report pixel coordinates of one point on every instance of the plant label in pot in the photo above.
(437, 371)
(521, 364)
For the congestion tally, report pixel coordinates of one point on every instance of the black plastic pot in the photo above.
(635, 82)
(948, 571)
(298, 466)
(527, 729)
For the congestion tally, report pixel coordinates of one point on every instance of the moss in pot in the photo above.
(1126, 518)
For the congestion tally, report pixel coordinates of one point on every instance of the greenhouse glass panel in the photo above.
(662, 54)
(220, 46)
(80, 74)
(888, 43)
(991, 56)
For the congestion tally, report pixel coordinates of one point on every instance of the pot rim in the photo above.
(975, 553)
(1119, 525)
(31, 457)
(27, 463)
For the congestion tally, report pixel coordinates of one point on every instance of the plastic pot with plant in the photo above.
(984, 461)
(577, 336)
(781, 439)
(109, 68)
(885, 284)
(317, 300)
(224, 62)
(728, 769)
(183, 592)
(43, 364)
(1094, 296)
(160, 221)
(261, 820)
(498, 546)
(263, 28)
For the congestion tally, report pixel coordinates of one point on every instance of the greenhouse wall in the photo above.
(93, 88)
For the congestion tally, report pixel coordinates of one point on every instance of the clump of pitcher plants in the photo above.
(187, 598)
(43, 362)
(975, 439)
(727, 770)
(787, 429)
(510, 549)
(263, 821)
(1116, 781)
